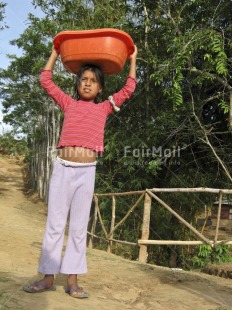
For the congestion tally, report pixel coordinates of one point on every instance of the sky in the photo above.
(16, 12)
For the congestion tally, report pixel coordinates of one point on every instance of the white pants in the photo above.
(71, 190)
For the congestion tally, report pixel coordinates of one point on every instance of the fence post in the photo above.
(109, 249)
(218, 217)
(145, 228)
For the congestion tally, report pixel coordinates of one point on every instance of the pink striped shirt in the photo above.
(84, 122)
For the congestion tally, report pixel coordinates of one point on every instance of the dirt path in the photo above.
(113, 282)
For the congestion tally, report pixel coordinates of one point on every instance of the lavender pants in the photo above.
(70, 193)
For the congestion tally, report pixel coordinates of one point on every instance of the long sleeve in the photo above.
(60, 97)
(120, 97)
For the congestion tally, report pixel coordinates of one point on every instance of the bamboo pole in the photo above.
(124, 242)
(223, 242)
(98, 237)
(230, 111)
(145, 228)
(205, 222)
(191, 190)
(170, 242)
(90, 245)
(169, 190)
(196, 232)
(218, 216)
(109, 249)
(113, 240)
(101, 221)
(161, 242)
(126, 216)
(121, 194)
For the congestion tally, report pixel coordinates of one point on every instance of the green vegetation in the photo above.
(11, 146)
(205, 255)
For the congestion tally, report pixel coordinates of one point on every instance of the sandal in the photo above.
(44, 285)
(76, 292)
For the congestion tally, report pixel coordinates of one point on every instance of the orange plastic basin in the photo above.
(107, 48)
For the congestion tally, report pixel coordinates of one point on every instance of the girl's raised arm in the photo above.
(132, 71)
(51, 60)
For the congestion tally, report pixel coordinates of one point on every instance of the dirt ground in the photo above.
(112, 282)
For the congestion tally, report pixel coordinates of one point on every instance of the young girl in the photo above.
(72, 181)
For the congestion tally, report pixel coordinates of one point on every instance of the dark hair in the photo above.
(99, 76)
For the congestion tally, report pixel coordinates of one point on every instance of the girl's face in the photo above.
(89, 86)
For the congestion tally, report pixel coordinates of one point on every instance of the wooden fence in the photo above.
(147, 195)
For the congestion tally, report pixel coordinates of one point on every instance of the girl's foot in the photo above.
(73, 289)
(77, 292)
(46, 284)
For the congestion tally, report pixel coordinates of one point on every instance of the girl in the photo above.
(72, 181)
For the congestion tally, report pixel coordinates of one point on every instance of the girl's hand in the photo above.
(132, 71)
(52, 59)
(135, 53)
(55, 53)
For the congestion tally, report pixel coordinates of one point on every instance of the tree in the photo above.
(11, 146)
(2, 16)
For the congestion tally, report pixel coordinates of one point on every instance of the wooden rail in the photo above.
(147, 195)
